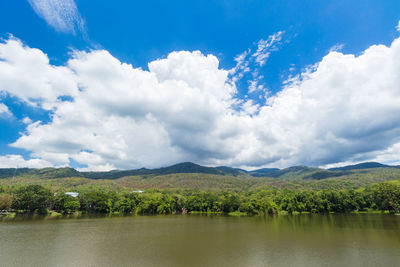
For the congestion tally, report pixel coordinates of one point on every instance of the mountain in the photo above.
(263, 172)
(361, 166)
(185, 167)
(11, 172)
(115, 174)
(324, 174)
(45, 172)
(231, 171)
(291, 173)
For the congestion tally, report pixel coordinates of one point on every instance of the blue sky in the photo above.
(293, 38)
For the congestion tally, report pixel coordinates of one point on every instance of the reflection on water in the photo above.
(299, 240)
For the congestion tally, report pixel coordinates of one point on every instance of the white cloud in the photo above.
(27, 74)
(344, 108)
(336, 48)
(4, 110)
(242, 65)
(388, 156)
(17, 161)
(26, 120)
(129, 117)
(249, 63)
(265, 47)
(62, 15)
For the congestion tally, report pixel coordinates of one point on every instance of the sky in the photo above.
(126, 84)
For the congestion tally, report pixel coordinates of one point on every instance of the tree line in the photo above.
(38, 199)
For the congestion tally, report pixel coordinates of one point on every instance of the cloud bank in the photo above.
(345, 108)
(62, 15)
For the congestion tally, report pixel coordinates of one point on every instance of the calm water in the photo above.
(301, 240)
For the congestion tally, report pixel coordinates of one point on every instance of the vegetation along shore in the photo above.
(190, 188)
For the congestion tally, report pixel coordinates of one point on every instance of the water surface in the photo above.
(194, 240)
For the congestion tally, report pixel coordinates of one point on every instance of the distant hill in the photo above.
(294, 171)
(231, 171)
(45, 172)
(361, 166)
(287, 173)
(263, 172)
(291, 173)
(185, 167)
(324, 174)
(10, 172)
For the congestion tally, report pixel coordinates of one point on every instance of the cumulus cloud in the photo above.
(26, 74)
(62, 15)
(125, 117)
(344, 108)
(17, 161)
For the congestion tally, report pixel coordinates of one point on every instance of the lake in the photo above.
(195, 240)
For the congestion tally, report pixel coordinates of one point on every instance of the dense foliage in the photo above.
(36, 198)
(32, 198)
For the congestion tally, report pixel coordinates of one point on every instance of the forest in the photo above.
(190, 188)
(383, 197)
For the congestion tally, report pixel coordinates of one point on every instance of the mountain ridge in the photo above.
(303, 172)
(363, 165)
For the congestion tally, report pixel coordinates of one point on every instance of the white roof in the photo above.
(72, 194)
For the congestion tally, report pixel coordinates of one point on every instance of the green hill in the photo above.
(188, 175)
(192, 176)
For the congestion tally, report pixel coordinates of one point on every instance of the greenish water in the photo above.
(195, 240)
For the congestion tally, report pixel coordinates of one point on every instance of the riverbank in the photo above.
(382, 197)
(52, 215)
